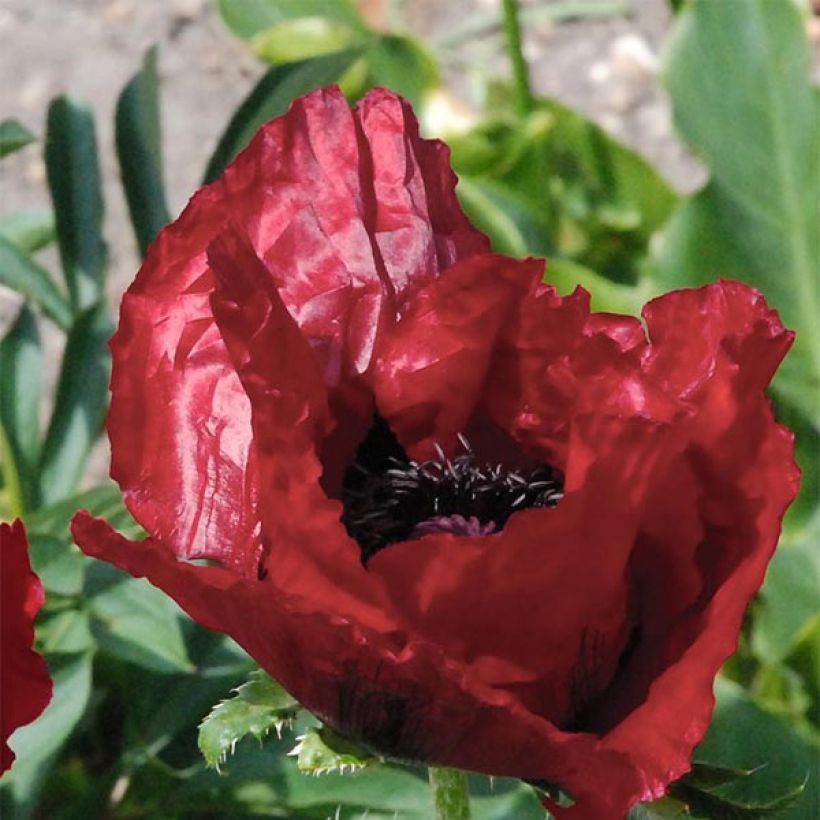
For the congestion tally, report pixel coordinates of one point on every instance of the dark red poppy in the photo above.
(459, 517)
(25, 687)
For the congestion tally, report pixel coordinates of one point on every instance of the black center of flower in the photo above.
(389, 498)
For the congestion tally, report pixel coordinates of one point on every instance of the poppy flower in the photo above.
(25, 687)
(459, 517)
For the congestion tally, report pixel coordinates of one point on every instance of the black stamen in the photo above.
(389, 498)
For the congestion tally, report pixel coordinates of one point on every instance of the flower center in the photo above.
(388, 498)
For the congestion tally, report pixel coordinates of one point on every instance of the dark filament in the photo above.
(389, 498)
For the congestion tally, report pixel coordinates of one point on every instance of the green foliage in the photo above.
(20, 272)
(139, 151)
(28, 230)
(759, 135)
(13, 136)
(257, 706)
(271, 97)
(74, 181)
(79, 409)
(322, 751)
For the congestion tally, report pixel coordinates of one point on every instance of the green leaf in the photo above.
(270, 98)
(139, 151)
(302, 38)
(74, 182)
(322, 751)
(60, 566)
(13, 136)
(403, 65)
(134, 621)
(743, 736)
(21, 273)
(28, 230)
(104, 501)
(79, 408)
(759, 136)
(258, 706)
(788, 607)
(664, 809)
(247, 18)
(21, 365)
(38, 744)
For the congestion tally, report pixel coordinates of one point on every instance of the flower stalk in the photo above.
(451, 796)
(521, 76)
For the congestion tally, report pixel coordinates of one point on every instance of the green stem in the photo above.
(451, 795)
(521, 74)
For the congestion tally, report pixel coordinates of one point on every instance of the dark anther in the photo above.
(389, 498)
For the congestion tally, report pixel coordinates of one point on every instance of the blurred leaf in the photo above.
(403, 65)
(139, 151)
(743, 736)
(74, 182)
(21, 273)
(104, 501)
(247, 18)
(61, 566)
(28, 230)
(13, 136)
(258, 706)
(66, 631)
(789, 602)
(270, 98)
(21, 364)
(79, 408)
(321, 751)
(134, 621)
(758, 134)
(302, 38)
(38, 744)
(664, 809)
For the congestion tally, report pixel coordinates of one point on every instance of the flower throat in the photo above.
(389, 498)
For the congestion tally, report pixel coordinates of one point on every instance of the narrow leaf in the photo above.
(21, 365)
(13, 136)
(248, 18)
(28, 230)
(271, 97)
(139, 151)
(257, 707)
(80, 405)
(74, 182)
(21, 273)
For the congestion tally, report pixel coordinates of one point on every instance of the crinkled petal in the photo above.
(25, 686)
(432, 366)
(306, 193)
(409, 700)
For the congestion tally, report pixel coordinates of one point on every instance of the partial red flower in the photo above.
(25, 687)
(459, 517)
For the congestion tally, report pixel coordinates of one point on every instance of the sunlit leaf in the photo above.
(322, 751)
(247, 18)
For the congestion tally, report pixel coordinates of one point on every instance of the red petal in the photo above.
(25, 687)
(305, 193)
(431, 367)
